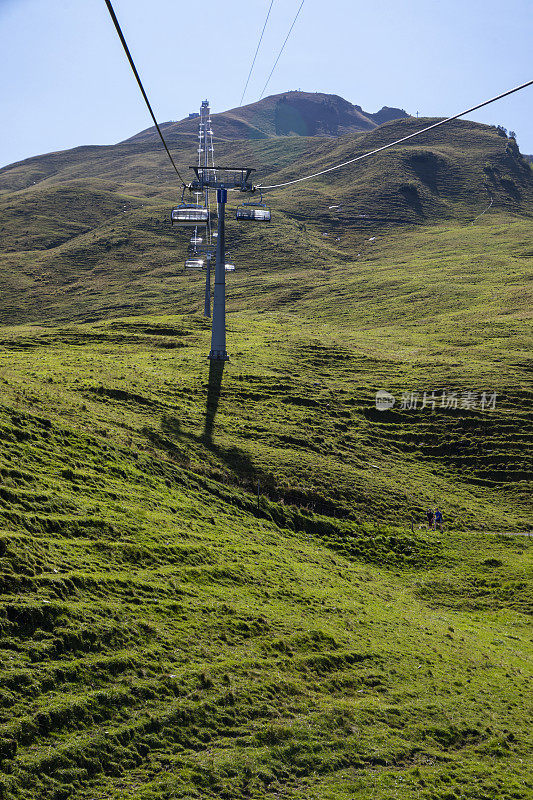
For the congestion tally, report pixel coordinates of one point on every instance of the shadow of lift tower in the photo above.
(223, 179)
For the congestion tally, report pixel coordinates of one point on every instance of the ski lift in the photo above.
(229, 267)
(196, 239)
(253, 212)
(195, 264)
(189, 214)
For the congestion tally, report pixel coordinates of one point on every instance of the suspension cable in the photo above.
(141, 87)
(282, 48)
(256, 52)
(398, 141)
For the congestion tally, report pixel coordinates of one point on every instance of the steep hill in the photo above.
(215, 583)
(86, 232)
(287, 114)
(166, 635)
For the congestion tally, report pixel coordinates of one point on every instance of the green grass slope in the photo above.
(167, 630)
(167, 635)
(85, 233)
(430, 310)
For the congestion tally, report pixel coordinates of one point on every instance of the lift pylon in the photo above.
(221, 179)
(202, 254)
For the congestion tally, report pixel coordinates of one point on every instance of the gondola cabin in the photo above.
(188, 215)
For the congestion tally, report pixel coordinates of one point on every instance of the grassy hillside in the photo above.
(426, 310)
(167, 635)
(214, 583)
(85, 233)
(287, 114)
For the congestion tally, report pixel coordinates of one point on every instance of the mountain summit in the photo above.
(287, 114)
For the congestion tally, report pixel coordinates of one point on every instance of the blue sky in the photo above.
(65, 80)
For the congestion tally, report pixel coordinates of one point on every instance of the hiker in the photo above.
(438, 519)
(430, 518)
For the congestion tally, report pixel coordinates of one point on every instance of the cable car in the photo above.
(189, 215)
(253, 212)
(196, 264)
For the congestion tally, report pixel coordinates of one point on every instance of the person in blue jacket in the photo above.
(438, 519)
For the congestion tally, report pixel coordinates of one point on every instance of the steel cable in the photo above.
(256, 52)
(398, 141)
(282, 48)
(141, 87)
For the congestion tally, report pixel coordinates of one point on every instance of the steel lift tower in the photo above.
(198, 214)
(205, 144)
(223, 179)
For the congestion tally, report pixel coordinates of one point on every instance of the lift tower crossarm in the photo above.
(222, 178)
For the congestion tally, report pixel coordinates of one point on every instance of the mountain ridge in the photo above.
(90, 224)
(286, 114)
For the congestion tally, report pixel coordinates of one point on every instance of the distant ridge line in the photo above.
(291, 113)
